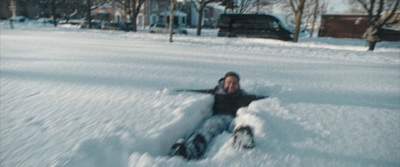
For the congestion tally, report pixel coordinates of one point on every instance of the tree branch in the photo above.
(396, 5)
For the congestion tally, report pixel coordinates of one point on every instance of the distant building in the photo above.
(351, 26)
(159, 12)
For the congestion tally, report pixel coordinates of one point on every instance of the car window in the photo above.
(273, 25)
(160, 25)
(240, 23)
(224, 21)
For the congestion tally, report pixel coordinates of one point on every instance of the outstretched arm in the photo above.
(247, 99)
(208, 91)
(255, 97)
(260, 97)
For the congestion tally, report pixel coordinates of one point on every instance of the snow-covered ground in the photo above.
(92, 98)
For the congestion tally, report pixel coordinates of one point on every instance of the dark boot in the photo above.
(196, 148)
(178, 149)
(243, 138)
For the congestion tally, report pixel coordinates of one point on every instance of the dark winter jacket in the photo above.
(228, 104)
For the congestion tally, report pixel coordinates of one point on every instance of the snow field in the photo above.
(73, 97)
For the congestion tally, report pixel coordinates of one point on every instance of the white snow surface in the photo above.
(92, 98)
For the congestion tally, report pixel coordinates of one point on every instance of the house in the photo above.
(116, 12)
(186, 13)
(111, 12)
(352, 26)
(180, 18)
(152, 11)
(159, 11)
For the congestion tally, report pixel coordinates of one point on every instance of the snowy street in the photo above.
(76, 97)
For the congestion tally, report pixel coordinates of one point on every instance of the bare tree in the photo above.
(316, 7)
(53, 5)
(375, 9)
(171, 20)
(229, 4)
(202, 4)
(262, 4)
(132, 8)
(245, 6)
(314, 16)
(90, 6)
(70, 8)
(297, 7)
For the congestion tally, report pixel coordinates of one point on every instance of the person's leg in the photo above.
(197, 143)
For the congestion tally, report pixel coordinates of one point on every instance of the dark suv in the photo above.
(252, 25)
(117, 26)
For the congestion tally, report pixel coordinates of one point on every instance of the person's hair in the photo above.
(231, 73)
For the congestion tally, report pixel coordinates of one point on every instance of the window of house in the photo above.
(155, 6)
(207, 13)
(118, 18)
(154, 19)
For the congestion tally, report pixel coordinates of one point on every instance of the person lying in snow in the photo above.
(228, 99)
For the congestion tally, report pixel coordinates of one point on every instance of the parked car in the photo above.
(96, 24)
(51, 21)
(117, 26)
(47, 20)
(163, 28)
(18, 19)
(253, 25)
(43, 20)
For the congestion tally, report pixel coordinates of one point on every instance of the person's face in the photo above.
(231, 84)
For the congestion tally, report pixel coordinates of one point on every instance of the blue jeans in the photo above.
(196, 143)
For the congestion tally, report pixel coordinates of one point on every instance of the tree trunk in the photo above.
(171, 20)
(298, 15)
(135, 13)
(134, 22)
(297, 28)
(314, 17)
(371, 45)
(53, 11)
(372, 36)
(11, 24)
(199, 20)
(88, 13)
